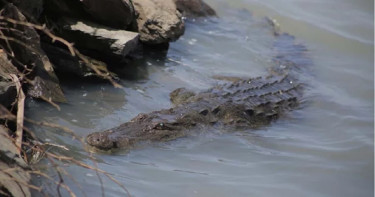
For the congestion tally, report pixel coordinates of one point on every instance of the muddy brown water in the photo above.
(323, 149)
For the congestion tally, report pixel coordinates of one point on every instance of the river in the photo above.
(325, 148)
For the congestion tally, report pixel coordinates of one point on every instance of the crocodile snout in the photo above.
(100, 140)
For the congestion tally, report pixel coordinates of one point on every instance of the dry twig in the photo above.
(20, 112)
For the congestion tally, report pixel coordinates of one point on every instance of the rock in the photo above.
(194, 8)
(54, 9)
(28, 52)
(8, 91)
(112, 13)
(64, 62)
(13, 175)
(46, 89)
(104, 41)
(8, 149)
(32, 9)
(158, 22)
(12, 182)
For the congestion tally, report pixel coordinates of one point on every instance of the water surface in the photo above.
(323, 149)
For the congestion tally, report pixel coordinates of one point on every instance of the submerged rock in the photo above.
(27, 50)
(194, 8)
(65, 63)
(158, 22)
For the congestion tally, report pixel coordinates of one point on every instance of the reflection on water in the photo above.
(324, 149)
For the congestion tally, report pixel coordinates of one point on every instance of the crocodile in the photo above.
(239, 104)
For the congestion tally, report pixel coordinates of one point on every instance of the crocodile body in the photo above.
(241, 104)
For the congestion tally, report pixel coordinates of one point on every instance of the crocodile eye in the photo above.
(159, 126)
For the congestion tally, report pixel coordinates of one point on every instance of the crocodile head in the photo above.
(142, 127)
(102, 140)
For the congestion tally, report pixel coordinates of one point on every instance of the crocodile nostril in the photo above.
(216, 110)
(204, 112)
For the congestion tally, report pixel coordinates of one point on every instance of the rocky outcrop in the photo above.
(24, 42)
(194, 8)
(97, 29)
(158, 22)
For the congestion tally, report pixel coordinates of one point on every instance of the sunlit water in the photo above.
(323, 149)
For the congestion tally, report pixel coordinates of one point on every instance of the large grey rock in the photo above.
(31, 8)
(158, 21)
(194, 8)
(54, 9)
(112, 13)
(104, 40)
(27, 50)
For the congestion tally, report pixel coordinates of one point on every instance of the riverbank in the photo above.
(44, 40)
